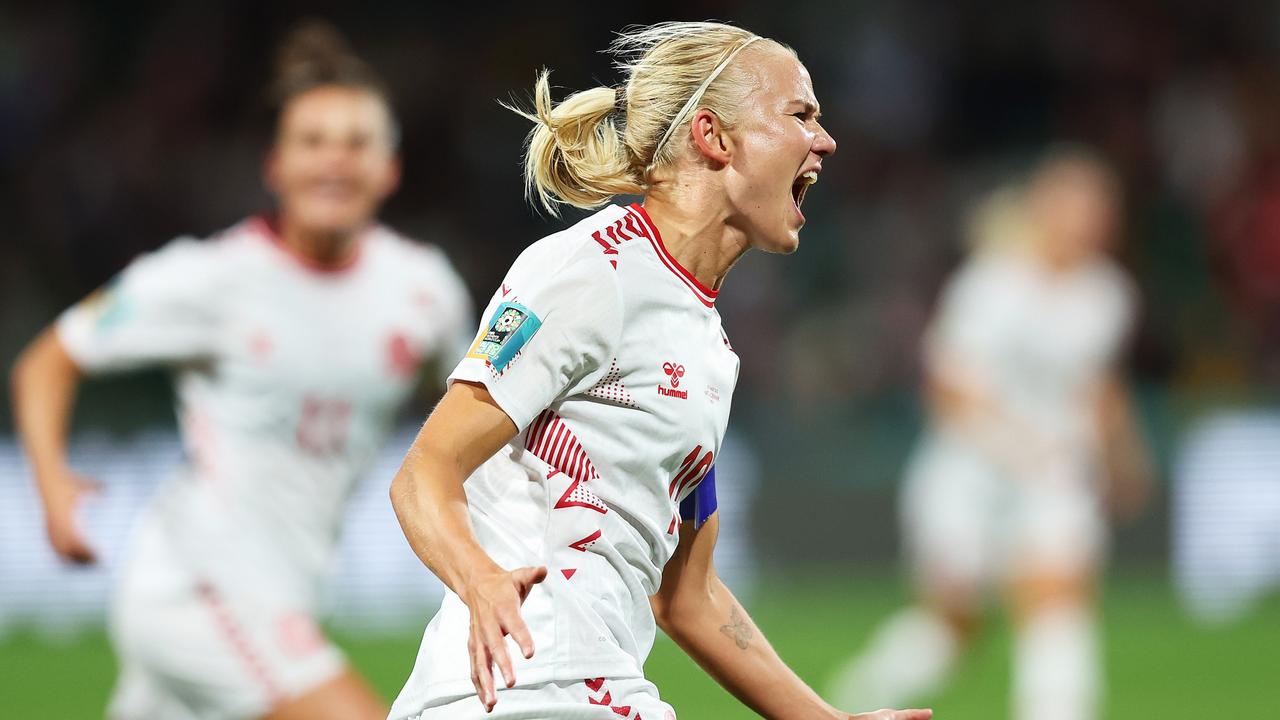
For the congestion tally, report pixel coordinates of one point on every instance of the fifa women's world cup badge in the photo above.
(511, 326)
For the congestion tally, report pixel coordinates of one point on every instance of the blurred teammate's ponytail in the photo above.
(1012, 217)
(316, 54)
(999, 222)
(604, 142)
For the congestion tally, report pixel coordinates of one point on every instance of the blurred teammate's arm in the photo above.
(957, 399)
(464, 431)
(700, 613)
(1127, 460)
(44, 380)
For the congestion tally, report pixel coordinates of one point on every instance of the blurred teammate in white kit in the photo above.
(293, 339)
(1030, 434)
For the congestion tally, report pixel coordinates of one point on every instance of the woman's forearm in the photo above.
(720, 636)
(44, 380)
(1124, 452)
(432, 508)
(464, 431)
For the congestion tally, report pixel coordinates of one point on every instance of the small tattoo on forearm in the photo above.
(737, 630)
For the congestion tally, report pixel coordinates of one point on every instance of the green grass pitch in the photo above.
(1159, 663)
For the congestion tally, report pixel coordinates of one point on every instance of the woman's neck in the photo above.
(696, 232)
(335, 249)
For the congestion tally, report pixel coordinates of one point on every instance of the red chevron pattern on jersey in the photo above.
(585, 543)
(596, 685)
(577, 495)
(551, 440)
(619, 232)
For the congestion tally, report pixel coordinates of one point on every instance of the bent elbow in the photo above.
(661, 616)
(24, 371)
(400, 490)
(670, 614)
(666, 623)
(44, 359)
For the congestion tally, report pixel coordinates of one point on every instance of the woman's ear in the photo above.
(710, 138)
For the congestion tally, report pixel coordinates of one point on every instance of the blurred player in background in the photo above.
(1030, 434)
(586, 419)
(293, 338)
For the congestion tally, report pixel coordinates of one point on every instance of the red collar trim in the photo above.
(265, 226)
(705, 295)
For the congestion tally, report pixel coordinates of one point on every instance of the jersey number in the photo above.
(322, 426)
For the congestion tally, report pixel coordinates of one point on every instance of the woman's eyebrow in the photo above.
(809, 107)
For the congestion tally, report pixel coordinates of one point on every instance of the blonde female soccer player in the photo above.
(1030, 431)
(563, 488)
(293, 339)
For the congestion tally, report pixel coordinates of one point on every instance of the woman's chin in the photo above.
(333, 223)
(783, 244)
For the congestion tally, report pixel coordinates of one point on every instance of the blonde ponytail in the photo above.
(576, 155)
(604, 142)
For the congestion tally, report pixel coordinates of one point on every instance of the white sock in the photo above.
(1056, 667)
(908, 657)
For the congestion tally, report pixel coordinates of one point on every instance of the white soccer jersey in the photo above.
(1036, 343)
(287, 377)
(610, 359)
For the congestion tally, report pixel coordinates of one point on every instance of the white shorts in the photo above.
(594, 699)
(193, 647)
(965, 522)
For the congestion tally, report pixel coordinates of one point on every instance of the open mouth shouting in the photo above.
(800, 186)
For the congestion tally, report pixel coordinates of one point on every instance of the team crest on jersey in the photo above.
(107, 305)
(507, 332)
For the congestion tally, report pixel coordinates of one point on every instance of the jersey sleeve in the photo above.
(157, 311)
(968, 327)
(548, 332)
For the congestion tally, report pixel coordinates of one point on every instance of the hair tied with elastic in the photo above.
(620, 101)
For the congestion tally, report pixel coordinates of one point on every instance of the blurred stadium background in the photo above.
(122, 126)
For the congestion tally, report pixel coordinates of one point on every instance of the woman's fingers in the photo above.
(526, 577)
(482, 671)
(520, 633)
(79, 552)
(497, 645)
(491, 621)
(67, 541)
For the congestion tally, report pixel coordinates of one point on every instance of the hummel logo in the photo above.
(674, 371)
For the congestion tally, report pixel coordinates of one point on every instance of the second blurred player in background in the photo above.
(293, 339)
(1030, 436)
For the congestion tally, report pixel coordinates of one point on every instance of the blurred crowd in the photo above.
(124, 126)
